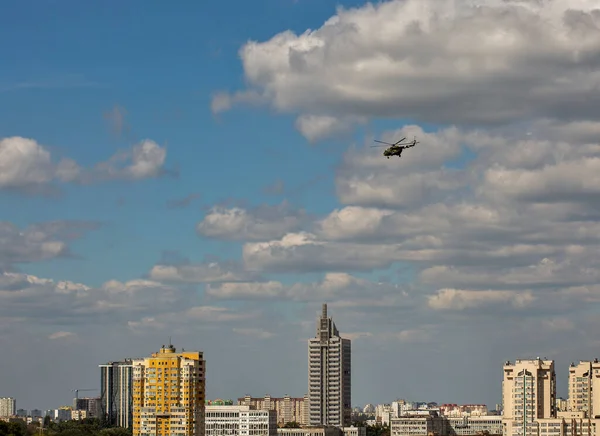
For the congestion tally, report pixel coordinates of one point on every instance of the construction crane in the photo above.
(81, 390)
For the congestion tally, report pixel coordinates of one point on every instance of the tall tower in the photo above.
(528, 394)
(168, 394)
(116, 393)
(329, 375)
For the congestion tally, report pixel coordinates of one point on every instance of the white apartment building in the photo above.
(239, 421)
(8, 406)
(329, 375)
(419, 425)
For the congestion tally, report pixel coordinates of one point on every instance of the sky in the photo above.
(204, 171)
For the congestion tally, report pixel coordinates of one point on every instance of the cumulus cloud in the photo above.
(337, 288)
(208, 272)
(258, 223)
(39, 242)
(28, 166)
(459, 62)
(134, 304)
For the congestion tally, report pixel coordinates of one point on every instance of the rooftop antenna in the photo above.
(170, 345)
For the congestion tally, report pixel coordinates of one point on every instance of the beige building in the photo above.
(528, 394)
(584, 387)
(288, 409)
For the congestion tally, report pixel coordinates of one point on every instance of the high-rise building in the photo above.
(329, 375)
(580, 386)
(116, 393)
(584, 388)
(8, 406)
(168, 394)
(528, 395)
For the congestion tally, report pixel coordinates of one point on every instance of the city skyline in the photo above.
(205, 171)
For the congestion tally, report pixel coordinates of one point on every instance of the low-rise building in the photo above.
(310, 431)
(424, 425)
(239, 421)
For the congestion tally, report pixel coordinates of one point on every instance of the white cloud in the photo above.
(435, 61)
(209, 272)
(28, 165)
(38, 242)
(61, 335)
(262, 222)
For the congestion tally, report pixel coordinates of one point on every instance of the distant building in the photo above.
(219, 402)
(91, 406)
(8, 407)
(311, 431)
(329, 375)
(239, 421)
(288, 409)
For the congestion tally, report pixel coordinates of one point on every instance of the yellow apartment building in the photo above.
(169, 393)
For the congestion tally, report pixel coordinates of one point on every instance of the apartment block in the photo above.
(8, 406)
(329, 376)
(116, 392)
(240, 421)
(288, 409)
(169, 394)
(420, 425)
(528, 395)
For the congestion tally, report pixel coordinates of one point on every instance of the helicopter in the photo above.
(397, 148)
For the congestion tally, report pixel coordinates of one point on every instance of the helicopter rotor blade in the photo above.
(377, 146)
(399, 141)
(382, 142)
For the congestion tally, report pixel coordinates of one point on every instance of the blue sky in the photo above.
(162, 65)
(463, 244)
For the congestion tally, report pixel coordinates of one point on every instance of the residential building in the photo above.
(426, 424)
(288, 409)
(240, 420)
(329, 375)
(463, 410)
(116, 393)
(169, 393)
(528, 394)
(580, 387)
(8, 406)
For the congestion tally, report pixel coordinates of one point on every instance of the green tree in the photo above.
(292, 424)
